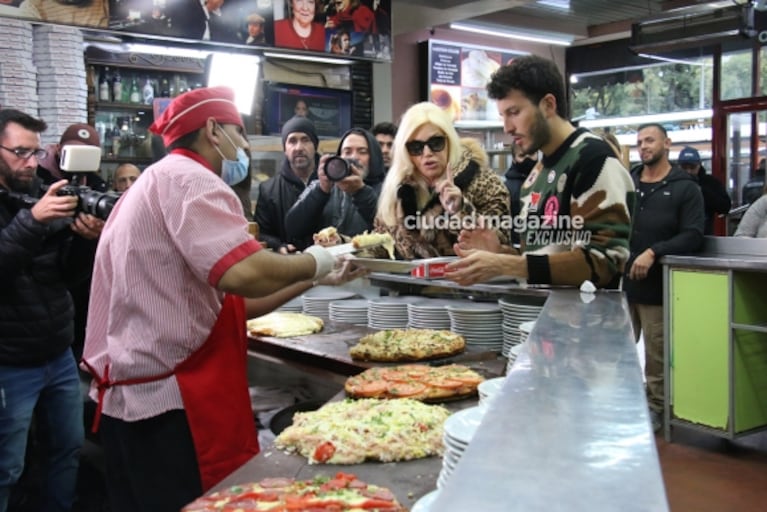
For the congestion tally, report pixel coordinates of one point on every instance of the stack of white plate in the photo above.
(517, 310)
(294, 305)
(458, 431)
(429, 314)
(525, 328)
(317, 300)
(350, 311)
(479, 323)
(514, 354)
(489, 388)
(425, 502)
(390, 312)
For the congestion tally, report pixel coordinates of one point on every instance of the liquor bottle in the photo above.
(165, 88)
(135, 95)
(148, 92)
(117, 86)
(104, 85)
(90, 80)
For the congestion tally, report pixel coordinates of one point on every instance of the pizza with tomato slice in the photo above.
(353, 431)
(345, 492)
(398, 345)
(415, 381)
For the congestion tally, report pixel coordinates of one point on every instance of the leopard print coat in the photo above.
(435, 231)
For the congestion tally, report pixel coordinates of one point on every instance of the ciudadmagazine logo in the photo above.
(538, 231)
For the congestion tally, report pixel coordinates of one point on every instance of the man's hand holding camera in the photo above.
(346, 174)
(53, 206)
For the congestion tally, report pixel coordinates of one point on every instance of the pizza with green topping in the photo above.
(397, 345)
(343, 493)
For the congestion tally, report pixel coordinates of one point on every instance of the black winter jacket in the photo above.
(669, 219)
(350, 215)
(275, 197)
(715, 199)
(37, 264)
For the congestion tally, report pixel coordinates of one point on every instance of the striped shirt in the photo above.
(153, 299)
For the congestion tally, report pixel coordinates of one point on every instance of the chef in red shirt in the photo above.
(166, 339)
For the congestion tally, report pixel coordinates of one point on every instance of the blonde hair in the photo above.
(402, 168)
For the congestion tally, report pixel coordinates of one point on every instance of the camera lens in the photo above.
(98, 204)
(336, 168)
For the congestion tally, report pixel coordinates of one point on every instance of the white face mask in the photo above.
(233, 171)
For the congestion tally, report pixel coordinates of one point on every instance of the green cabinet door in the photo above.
(699, 362)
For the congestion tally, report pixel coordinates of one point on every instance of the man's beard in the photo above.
(15, 184)
(539, 135)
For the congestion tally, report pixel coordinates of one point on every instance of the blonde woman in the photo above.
(437, 185)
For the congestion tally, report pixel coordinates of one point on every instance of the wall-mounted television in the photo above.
(329, 109)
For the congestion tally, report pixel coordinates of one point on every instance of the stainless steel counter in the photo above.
(406, 283)
(570, 429)
(725, 253)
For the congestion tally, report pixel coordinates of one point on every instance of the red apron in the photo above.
(214, 388)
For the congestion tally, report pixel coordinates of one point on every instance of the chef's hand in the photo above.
(480, 238)
(87, 226)
(642, 264)
(287, 249)
(450, 196)
(343, 273)
(53, 206)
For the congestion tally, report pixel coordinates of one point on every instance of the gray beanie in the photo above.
(301, 125)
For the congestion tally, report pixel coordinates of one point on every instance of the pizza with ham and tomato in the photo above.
(415, 381)
(345, 492)
(398, 345)
(353, 431)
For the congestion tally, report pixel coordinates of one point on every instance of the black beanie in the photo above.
(301, 125)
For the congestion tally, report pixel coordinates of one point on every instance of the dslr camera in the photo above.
(75, 159)
(78, 159)
(338, 168)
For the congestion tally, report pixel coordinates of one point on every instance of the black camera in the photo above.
(338, 168)
(98, 204)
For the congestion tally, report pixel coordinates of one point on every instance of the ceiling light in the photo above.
(563, 5)
(308, 58)
(523, 36)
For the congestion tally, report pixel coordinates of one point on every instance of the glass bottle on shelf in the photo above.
(104, 85)
(117, 86)
(165, 87)
(135, 95)
(148, 92)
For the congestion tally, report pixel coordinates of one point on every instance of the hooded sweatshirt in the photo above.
(349, 214)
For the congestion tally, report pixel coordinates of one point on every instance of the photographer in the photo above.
(42, 252)
(346, 200)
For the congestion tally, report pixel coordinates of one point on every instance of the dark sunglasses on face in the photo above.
(415, 147)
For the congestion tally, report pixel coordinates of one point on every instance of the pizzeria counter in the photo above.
(568, 431)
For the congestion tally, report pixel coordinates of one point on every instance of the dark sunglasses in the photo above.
(436, 144)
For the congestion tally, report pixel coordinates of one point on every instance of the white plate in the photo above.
(425, 502)
(463, 424)
(382, 265)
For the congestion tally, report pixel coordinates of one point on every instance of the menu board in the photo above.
(345, 28)
(457, 76)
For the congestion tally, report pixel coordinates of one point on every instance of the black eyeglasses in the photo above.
(26, 153)
(436, 144)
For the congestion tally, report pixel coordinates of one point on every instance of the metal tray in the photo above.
(384, 265)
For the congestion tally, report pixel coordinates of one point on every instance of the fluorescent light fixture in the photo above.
(675, 61)
(522, 36)
(563, 5)
(653, 118)
(308, 58)
(238, 71)
(177, 51)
